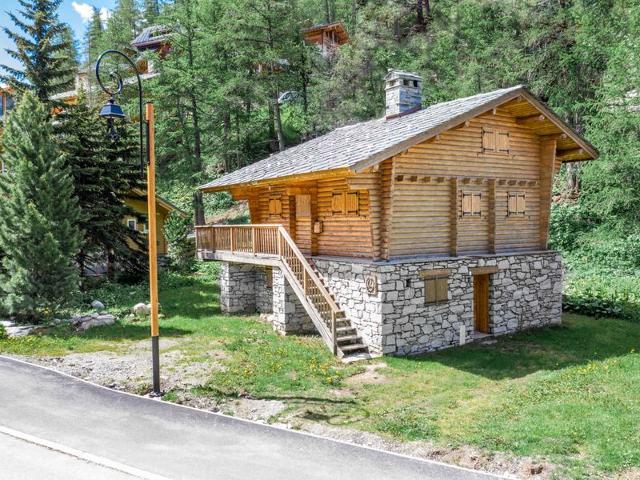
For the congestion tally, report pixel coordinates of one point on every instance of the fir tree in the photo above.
(38, 217)
(44, 70)
(150, 12)
(104, 172)
(122, 26)
(94, 37)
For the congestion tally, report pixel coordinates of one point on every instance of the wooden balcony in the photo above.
(272, 245)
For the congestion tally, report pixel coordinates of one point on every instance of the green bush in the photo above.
(181, 249)
(602, 293)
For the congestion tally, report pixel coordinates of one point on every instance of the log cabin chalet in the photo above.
(424, 229)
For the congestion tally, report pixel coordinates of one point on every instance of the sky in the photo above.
(76, 13)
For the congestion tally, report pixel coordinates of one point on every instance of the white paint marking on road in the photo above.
(79, 454)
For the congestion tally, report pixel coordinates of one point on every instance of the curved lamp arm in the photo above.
(119, 84)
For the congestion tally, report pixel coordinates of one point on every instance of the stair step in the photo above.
(348, 338)
(352, 347)
(344, 330)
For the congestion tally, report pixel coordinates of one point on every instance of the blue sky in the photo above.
(74, 12)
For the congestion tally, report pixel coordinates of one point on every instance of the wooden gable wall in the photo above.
(428, 181)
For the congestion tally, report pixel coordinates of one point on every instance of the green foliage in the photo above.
(181, 249)
(603, 294)
(39, 217)
(44, 49)
(104, 173)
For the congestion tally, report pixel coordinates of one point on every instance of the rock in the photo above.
(141, 309)
(16, 331)
(97, 305)
(85, 323)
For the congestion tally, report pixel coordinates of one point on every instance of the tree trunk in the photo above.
(277, 123)
(420, 23)
(198, 208)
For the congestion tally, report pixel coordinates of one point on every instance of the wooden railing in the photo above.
(274, 240)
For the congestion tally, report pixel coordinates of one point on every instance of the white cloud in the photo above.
(84, 10)
(105, 13)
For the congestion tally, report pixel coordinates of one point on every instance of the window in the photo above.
(275, 206)
(345, 203)
(495, 141)
(132, 223)
(471, 204)
(436, 285)
(516, 203)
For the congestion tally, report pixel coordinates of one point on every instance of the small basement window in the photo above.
(436, 285)
(275, 206)
(132, 223)
(471, 204)
(516, 204)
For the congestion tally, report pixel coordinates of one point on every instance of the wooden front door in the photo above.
(481, 302)
(303, 223)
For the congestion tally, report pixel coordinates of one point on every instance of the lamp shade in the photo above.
(111, 110)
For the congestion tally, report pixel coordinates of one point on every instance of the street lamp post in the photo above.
(111, 112)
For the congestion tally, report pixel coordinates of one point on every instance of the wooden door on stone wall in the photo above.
(303, 223)
(481, 302)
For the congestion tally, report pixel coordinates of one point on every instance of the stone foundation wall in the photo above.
(244, 288)
(289, 316)
(525, 292)
(237, 288)
(264, 289)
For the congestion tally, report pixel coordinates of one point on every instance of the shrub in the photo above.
(181, 248)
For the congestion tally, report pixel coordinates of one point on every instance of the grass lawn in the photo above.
(570, 393)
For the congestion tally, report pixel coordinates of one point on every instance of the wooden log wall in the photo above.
(429, 177)
(411, 204)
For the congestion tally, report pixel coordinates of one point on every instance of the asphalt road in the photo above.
(49, 420)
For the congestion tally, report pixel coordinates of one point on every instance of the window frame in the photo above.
(277, 210)
(436, 286)
(517, 213)
(344, 207)
(135, 223)
(491, 136)
(471, 213)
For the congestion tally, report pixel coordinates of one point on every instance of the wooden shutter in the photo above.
(512, 204)
(467, 207)
(516, 204)
(430, 290)
(475, 204)
(488, 140)
(442, 289)
(502, 142)
(352, 203)
(520, 204)
(337, 203)
(275, 206)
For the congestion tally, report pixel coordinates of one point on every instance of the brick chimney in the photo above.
(403, 93)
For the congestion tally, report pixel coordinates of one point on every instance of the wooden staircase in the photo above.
(274, 241)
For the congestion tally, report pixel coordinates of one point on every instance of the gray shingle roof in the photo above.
(362, 144)
(151, 35)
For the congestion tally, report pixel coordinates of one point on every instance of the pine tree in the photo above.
(104, 172)
(122, 26)
(94, 37)
(38, 217)
(44, 70)
(150, 12)
(69, 56)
